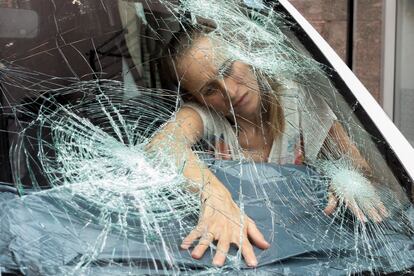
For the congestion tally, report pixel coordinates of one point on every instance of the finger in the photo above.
(248, 253)
(227, 155)
(202, 245)
(331, 206)
(218, 150)
(223, 247)
(256, 236)
(356, 211)
(188, 241)
(374, 215)
(383, 211)
(373, 209)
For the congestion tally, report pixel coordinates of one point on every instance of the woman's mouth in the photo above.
(240, 101)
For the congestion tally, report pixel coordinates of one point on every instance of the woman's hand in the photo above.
(361, 206)
(351, 186)
(221, 220)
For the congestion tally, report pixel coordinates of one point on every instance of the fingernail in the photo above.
(252, 264)
(217, 264)
(195, 256)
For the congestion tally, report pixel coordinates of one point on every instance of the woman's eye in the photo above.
(210, 90)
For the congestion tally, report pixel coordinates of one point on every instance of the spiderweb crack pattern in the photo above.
(101, 200)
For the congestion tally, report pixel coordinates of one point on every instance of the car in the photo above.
(83, 91)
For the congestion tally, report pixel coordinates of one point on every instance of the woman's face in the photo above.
(221, 84)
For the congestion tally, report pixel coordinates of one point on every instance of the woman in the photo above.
(242, 116)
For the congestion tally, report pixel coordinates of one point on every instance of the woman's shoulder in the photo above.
(189, 120)
(193, 106)
(213, 123)
(205, 113)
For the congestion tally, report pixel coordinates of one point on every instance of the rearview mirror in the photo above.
(18, 23)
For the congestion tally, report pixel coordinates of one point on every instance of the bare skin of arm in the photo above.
(345, 146)
(221, 219)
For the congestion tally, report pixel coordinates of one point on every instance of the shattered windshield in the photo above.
(177, 137)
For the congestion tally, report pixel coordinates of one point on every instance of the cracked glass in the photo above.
(180, 137)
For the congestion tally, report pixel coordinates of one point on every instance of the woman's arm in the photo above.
(220, 218)
(344, 146)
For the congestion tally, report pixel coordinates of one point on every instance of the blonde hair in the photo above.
(270, 91)
(182, 41)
